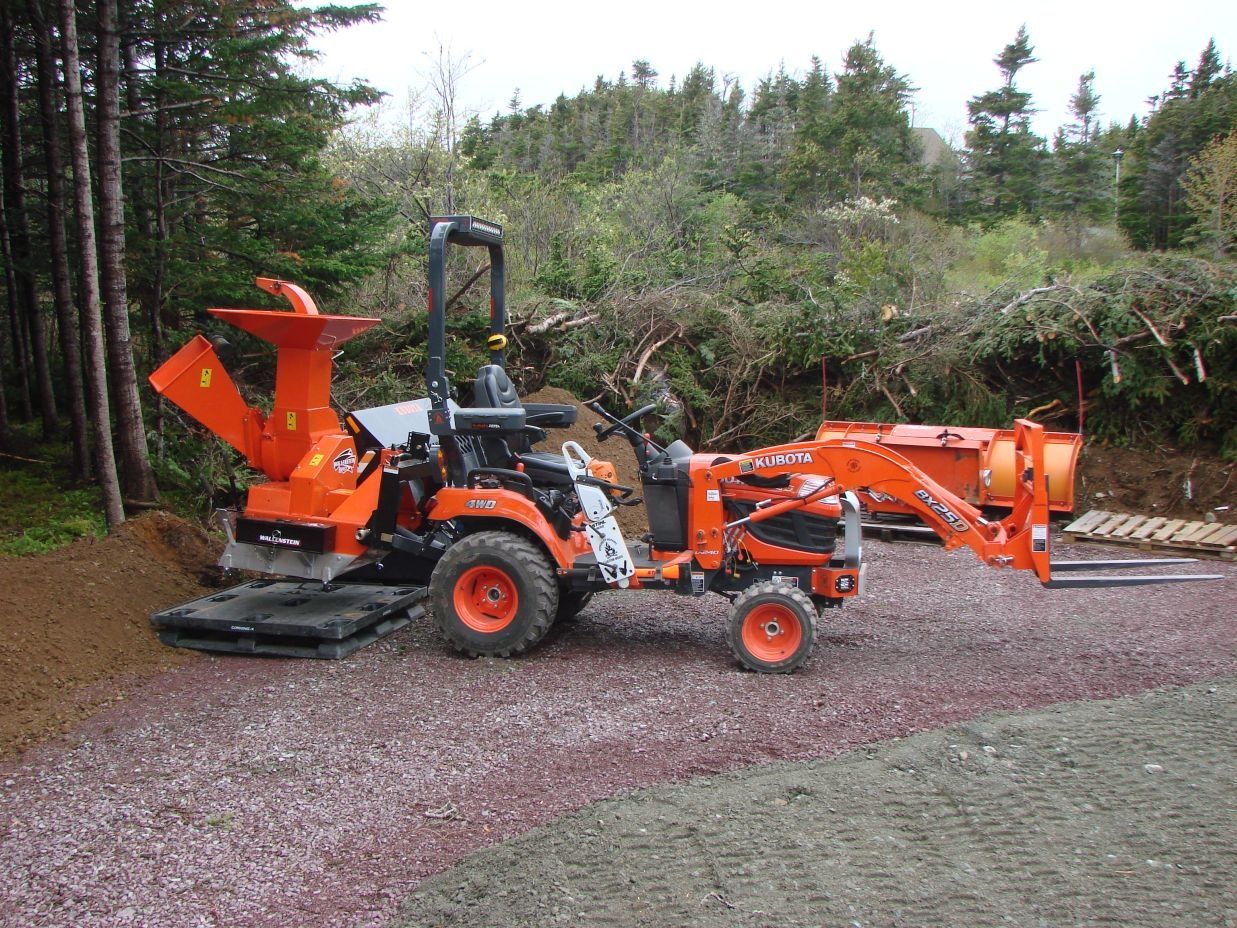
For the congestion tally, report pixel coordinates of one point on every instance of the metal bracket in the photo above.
(604, 536)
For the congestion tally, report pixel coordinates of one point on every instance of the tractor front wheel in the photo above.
(494, 594)
(772, 627)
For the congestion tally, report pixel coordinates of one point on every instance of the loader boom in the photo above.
(1020, 541)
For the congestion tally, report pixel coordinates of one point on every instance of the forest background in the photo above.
(750, 257)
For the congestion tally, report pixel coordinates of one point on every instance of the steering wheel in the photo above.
(630, 421)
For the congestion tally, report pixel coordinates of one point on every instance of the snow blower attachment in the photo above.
(357, 519)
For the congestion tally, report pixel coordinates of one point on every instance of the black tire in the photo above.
(571, 603)
(505, 588)
(772, 627)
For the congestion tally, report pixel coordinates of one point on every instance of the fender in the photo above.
(502, 505)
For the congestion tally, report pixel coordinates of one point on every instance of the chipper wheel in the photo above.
(494, 594)
(772, 627)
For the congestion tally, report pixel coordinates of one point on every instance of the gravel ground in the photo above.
(246, 792)
(1117, 812)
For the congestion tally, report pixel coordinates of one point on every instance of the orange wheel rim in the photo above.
(772, 632)
(485, 599)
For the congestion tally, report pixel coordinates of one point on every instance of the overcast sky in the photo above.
(946, 49)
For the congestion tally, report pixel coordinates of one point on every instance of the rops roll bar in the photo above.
(468, 231)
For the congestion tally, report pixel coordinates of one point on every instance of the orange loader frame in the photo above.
(1020, 541)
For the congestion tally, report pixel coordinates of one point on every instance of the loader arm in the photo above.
(1021, 541)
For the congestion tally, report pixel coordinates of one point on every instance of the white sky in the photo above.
(547, 47)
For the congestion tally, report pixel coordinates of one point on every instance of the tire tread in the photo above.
(758, 589)
(531, 558)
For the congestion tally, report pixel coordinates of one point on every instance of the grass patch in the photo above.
(41, 510)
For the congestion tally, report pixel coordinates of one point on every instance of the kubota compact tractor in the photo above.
(359, 519)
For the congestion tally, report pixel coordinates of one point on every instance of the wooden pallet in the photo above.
(1213, 539)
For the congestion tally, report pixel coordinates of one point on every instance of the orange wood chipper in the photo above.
(361, 519)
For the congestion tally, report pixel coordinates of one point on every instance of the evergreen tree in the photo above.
(1197, 107)
(227, 151)
(1080, 189)
(1004, 158)
(802, 173)
(767, 132)
(868, 127)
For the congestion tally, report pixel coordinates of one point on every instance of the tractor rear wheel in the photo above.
(772, 627)
(494, 594)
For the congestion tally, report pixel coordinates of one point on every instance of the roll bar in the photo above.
(473, 232)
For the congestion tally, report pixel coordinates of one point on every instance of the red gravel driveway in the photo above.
(247, 792)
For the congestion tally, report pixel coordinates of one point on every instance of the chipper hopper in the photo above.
(358, 520)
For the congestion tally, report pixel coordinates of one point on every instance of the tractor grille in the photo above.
(795, 530)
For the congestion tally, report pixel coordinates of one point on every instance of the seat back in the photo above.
(494, 388)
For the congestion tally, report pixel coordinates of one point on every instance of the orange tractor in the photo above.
(359, 520)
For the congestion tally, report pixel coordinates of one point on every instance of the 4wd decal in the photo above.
(951, 517)
(481, 503)
(781, 460)
(345, 461)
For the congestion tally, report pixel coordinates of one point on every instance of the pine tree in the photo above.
(229, 149)
(1197, 107)
(802, 173)
(1080, 189)
(1004, 158)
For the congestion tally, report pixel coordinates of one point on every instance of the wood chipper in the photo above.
(358, 520)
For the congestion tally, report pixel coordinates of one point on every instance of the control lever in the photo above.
(624, 424)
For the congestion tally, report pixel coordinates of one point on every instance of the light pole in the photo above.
(1116, 186)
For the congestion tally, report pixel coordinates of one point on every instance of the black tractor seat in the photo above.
(493, 389)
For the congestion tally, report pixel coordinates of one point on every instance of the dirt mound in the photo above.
(631, 519)
(76, 627)
(1086, 813)
(1165, 482)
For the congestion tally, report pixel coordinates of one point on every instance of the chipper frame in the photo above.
(512, 539)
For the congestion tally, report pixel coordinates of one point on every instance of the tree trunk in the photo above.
(6, 432)
(19, 228)
(16, 333)
(152, 221)
(139, 480)
(92, 321)
(66, 316)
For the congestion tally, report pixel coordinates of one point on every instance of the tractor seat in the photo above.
(494, 389)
